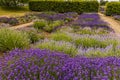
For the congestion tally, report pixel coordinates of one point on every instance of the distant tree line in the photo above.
(12, 3)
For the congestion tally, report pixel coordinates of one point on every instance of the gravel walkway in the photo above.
(22, 26)
(112, 23)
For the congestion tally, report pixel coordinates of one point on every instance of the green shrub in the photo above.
(61, 37)
(11, 39)
(48, 26)
(12, 3)
(103, 3)
(33, 36)
(108, 51)
(40, 24)
(87, 30)
(53, 25)
(90, 42)
(65, 47)
(87, 42)
(113, 8)
(64, 6)
(102, 52)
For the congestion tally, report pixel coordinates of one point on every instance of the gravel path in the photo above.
(22, 26)
(112, 23)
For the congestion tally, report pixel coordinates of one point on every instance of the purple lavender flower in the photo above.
(117, 17)
(90, 20)
(58, 16)
(12, 21)
(36, 64)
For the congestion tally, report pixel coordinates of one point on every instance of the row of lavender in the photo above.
(45, 65)
(90, 20)
(66, 54)
(12, 21)
(84, 20)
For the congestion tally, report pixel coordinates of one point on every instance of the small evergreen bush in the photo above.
(113, 8)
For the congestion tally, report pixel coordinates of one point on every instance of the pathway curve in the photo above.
(21, 26)
(115, 25)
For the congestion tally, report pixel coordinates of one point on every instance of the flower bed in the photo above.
(58, 16)
(44, 65)
(79, 49)
(90, 20)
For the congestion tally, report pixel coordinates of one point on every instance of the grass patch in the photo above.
(13, 11)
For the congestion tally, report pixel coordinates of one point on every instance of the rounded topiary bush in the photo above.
(113, 8)
(10, 39)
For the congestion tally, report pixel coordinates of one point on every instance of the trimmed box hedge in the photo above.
(64, 6)
(113, 8)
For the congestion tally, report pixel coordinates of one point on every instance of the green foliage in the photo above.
(48, 26)
(90, 42)
(11, 39)
(34, 37)
(40, 24)
(113, 8)
(65, 47)
(64, 6)
(103, 3)
(61, 37)
(52, 25)
(87, 42)
(102, 53)
(87, 30)
(12, 3)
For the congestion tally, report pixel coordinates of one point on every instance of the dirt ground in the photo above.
(114, 24)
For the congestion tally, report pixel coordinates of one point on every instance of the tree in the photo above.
(12, 3)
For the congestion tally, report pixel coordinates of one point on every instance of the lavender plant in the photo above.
(61, 37)
(36, 64)
(117, 17)
(67, 17)
(102, 41)
(90, 20)
(11, 39)
(59, 46)
(47, 26)
(12, 20)
(88, 30)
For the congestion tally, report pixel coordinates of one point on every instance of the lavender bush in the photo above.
(117, 17)
(90, 20)
(58, 16)
(99, 52)
(45, 65)
(12, 21)
(85, 30)
(59, 46)
(60, 37)
(11, 39)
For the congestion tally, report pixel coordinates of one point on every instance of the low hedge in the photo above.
(113, 8)
(64, 6)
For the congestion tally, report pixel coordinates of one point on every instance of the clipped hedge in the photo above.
(113, 8)
(64, 6)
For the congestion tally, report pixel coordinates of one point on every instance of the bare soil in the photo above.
(114, 24)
